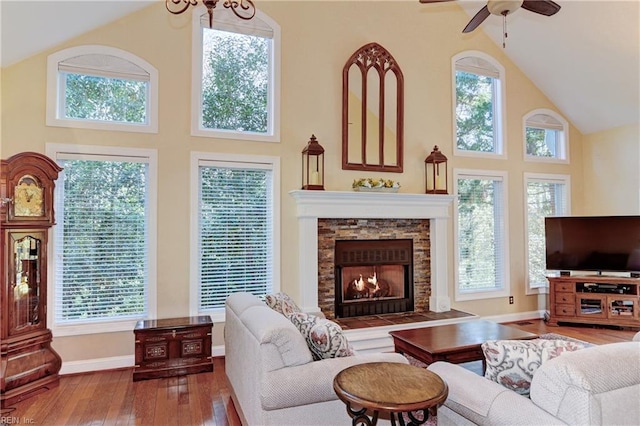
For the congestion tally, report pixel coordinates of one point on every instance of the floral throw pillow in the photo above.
(512, 363)
(283, 303)
(324, 337)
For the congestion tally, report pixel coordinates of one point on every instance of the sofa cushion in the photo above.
(324, 337)
(282, 302)
(280, 342)
(512, 363)
(595, 386)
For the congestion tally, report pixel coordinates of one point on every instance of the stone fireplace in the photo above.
(327, 217)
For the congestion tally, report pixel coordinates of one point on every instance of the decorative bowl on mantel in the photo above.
(375, 185)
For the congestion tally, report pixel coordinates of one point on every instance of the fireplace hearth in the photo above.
(373, 277)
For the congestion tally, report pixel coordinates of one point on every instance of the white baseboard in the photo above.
(520, 316)
(97, 364)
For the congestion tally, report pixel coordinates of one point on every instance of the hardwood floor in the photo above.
(112, 398)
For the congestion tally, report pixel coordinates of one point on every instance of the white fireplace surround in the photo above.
(312, 205)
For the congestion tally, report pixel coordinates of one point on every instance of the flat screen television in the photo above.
(593, 243)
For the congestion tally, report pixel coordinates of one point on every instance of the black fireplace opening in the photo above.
(373, 277)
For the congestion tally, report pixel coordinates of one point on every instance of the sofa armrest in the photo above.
(312, 382)
(483, 401)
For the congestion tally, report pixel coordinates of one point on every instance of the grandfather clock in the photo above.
(28, 365)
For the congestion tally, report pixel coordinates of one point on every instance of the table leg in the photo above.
(413, 421)
(359, 417)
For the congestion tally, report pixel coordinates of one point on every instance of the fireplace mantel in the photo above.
(312, 205)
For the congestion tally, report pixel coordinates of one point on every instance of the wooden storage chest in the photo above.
(172, 347)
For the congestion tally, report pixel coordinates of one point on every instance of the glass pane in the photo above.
(105, 99)
(474, 112)
(373, 117)
(235, 234)
(235, 81)
(103, 249)
(26, 283)
(354, 123)
(478, 234)
(390, 118)
(543, 199)
(542, 142)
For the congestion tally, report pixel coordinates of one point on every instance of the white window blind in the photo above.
(101, 244)
(546, 196)
(481, 233)
(235, 231)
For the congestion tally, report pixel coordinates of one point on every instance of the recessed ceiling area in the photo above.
(585, 58)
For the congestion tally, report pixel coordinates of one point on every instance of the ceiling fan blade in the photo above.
(543, 7)
(477, 20)
(433, 1)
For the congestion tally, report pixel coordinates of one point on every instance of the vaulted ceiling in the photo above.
(586, 58)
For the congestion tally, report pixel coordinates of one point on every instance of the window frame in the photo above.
(55, 101)
(541, 178)
(563, 144)
(211, 158)
(272, 135)
(504, 288)
(499, 107)
(54, 151)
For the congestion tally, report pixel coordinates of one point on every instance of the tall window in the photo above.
(545, 136)
(481, 234)
(101, 87)
(547, 195)
(478, 104)
(236, 236)
(104, 241)
(236, 77)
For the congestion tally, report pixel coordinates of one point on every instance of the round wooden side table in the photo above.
(388, 386)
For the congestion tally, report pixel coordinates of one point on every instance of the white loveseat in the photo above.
(273, 376)
(598, 385)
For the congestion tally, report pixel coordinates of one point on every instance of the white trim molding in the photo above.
(312, 205)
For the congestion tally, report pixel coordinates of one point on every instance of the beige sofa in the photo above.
(271, 370)
(598, 385)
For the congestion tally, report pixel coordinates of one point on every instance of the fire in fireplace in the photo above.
(373, 277)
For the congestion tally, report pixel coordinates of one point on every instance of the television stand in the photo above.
(594, 299)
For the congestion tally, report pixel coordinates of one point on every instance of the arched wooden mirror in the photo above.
(372, 111)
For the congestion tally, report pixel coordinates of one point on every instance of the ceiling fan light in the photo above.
(503, 7)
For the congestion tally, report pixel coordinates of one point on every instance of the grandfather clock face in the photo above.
(28, 198)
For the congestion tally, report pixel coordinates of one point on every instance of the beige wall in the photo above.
(317, 39)
(611, 164)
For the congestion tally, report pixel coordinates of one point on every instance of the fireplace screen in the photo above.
(373, 277)
(372, 282)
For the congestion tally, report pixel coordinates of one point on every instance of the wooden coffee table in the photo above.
(389, 386)
(455, 343)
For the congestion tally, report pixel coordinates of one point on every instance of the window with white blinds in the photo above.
(236, 238)
(236, 77)
(545, 136)
(478, 104)
(482, 254)
(104, 259)
(101, 87)
(546, 195)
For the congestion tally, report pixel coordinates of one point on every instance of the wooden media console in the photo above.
(594, 299)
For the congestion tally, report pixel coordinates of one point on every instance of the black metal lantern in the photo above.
(313, 165)
(435, 167)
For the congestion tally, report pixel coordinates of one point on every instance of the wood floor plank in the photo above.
(111, 398)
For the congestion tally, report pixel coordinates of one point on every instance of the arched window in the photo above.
(236, 77)
(101, 87)
(479, 104)
(546, 135)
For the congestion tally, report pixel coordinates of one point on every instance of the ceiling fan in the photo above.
(506, 7)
